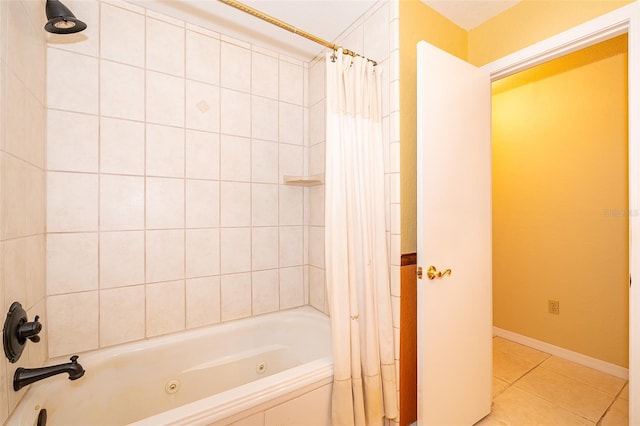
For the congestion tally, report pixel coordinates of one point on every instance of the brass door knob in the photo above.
(433, 273)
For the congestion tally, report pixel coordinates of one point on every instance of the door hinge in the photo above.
(419, 272)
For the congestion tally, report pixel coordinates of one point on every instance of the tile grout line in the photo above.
(613, 401)
(577, 379)
(539, 365)
(511, 384)
(550, 401)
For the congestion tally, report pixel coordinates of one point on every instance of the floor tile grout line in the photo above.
(604, 413)
(616, 398)
(539, 365)
(569, 410)
(539, 397)
(549, 401)
(549, 356)
(615, 395)
(530, 370)
(624, 381)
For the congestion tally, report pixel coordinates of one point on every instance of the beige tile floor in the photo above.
(534, 388)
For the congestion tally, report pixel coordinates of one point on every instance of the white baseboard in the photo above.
(578, 358)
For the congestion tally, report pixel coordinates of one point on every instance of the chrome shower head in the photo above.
(61, 20)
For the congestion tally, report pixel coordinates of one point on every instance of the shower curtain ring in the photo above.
(333, 56)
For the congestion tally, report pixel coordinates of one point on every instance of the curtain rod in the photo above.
(274, 21)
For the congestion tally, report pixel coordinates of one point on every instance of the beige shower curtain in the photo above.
(357, 271)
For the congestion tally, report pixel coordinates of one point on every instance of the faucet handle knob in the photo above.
(74, 359)
(17, 329)
(35, 338)
(29, 330)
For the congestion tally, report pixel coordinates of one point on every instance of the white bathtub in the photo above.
(198, 377)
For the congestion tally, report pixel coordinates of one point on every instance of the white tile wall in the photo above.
(264, 161)
(235, 204)
(36, 272)
(235, 67)
(165, 47)
(202, 106)
(203, 252)
(122, 146)
(265, 291)
(121, 258)
(291, 245)
(121, 203)
(72, 210)
(203, 301)
(291, 83)
(73, 262)
(61, 91)
(235, 250)
(202, 154)
(121, 91)
(122, 35)
(121, 319)
(203, 203)
(264, 124)
(291, 292)
(235, 117)
(165, 151)
(235, 159)
(264, 199)
(165, 307)
(165, 99)
(291, 203)
(73, 142)
(180, 187)
(291, 123)
(14, 268)
(264, 247)
(72, 333)
(291, 160)
(165, 255)
(16, 128)
(202, 58)
(23, 78)
(316, 288)
(235, 290)
(164, 203)
(122, 197)
(264, 76)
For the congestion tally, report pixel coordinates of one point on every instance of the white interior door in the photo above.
(454, 232)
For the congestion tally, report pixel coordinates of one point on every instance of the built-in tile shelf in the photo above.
(312, 180)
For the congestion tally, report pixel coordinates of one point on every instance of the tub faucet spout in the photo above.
(26, 376)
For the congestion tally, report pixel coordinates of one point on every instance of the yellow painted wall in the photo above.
(417, 22)
(560, 200)
(526, 23)
(529, 22)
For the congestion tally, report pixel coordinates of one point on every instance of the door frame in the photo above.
(620, 21)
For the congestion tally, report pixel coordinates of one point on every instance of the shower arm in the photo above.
(274, 21)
